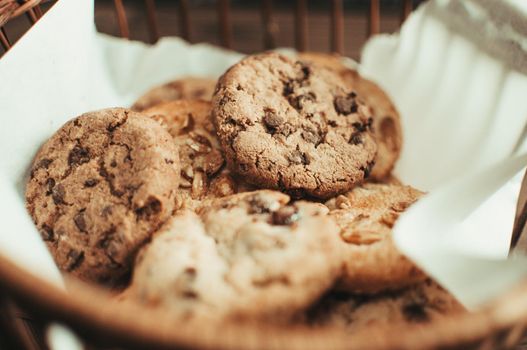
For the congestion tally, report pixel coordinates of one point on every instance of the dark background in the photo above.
(246, 22)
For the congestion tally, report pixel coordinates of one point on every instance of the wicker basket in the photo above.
(85, 308)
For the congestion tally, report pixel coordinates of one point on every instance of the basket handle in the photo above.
(519, 237)
(10, 9)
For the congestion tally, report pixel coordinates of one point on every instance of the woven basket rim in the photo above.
(85, 308)
(10, 9)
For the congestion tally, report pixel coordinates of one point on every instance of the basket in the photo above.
(85, 308)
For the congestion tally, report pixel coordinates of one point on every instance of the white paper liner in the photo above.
(464, 116)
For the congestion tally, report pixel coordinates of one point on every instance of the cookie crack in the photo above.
(71, 164)
(108, 179)
(112, 127)
(128, 157)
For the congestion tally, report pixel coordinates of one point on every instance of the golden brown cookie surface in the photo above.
(419, 304)
(184, 88)
(251, 255)
(386, 124)
(203, 171)
(98, 189)
(292, 126)
(365, 217)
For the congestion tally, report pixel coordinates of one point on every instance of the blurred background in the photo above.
(246, 16)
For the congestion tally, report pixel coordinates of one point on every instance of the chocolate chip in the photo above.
(106, 211)
(226, 98)
(367, 168)
(311, 136)
(288, 88)
(286, 130)
(415, 312)
(152, 207)
(190, 271)
(306, 70)
(272, 120)
(47, 233)
(57, 193)
(295, 157)
(75, 259)
(113, 164)
(114, 125)
(50, 183)
(91, 182)
(169, 161)
(44, 163)
(362, 127)
(201, 139)
(113, 250)
(78, 155)
(79, 220)
(244, 167)
(106, 237)
(199, 93)
(300, 101)
(212, 162)
(190, 294)
(230, 121)
(345, 104)
(355, 138)
(285, 216)
(296, 193)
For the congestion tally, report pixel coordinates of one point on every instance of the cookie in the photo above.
(420, 304)
(288, 125)
(184, 88)
(203, 174)
(365, 217)
(333, 61)
(98, 189)
(386, 125)
(253, 255)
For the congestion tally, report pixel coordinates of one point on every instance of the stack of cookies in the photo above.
(264, 196)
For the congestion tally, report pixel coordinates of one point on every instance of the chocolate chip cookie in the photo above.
(253, 255)
(419, 304)
(185, 88)
(203, 174)
(365, 217)
(292, 126)
(386, 124)
(99, 187)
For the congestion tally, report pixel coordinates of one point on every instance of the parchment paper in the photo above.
(457, 74)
